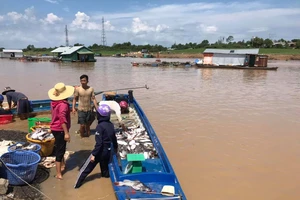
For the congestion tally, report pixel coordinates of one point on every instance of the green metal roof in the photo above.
(70, 50)
(85, 51)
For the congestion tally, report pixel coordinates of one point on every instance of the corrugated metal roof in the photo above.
(12, 51)
(60, 49)
(84, 51)
(66, 50)
(232, 51)
(71, 50)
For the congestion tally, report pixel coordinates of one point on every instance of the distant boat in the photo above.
(135, 64)
(234, 67)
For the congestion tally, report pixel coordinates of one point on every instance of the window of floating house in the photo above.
(231, 51)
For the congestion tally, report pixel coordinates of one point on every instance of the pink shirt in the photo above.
(60, 115)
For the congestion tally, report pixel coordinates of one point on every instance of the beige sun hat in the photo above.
(60, 92)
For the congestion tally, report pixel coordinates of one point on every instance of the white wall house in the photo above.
(8, 53)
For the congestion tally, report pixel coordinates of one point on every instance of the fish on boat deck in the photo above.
(137, 185)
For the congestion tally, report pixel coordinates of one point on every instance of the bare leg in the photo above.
(22, 116)
(58, 170)
(88, 129)
(82, 130)
(63, 165)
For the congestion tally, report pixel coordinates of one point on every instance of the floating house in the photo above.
(75, 54)
(11, 53)
(234, 57)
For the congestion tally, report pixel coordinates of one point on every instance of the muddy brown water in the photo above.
(229, 134)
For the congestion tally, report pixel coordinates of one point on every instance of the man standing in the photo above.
(19, 100)
(84, 94)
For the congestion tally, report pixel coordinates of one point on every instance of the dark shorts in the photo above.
(59, 145)
(23, 106)
(85, 117)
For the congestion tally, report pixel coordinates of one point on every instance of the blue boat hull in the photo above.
(40, 106)
(156, 173)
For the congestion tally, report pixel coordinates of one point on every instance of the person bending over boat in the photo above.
(84, 94)
(105, 137)
(2, 110)
(60, 122)
(117, 109)
(18, 99)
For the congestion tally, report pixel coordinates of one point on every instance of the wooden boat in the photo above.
(165, 64)
(234, 67)
(155, 173)
(43, 106)
(135, 64)
(38, 106)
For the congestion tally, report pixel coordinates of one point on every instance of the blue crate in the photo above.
(37, 150)
(21, 164)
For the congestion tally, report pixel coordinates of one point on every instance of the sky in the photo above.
(164, 22)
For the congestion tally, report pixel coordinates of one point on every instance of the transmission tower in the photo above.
(103, 33)
(67, 39)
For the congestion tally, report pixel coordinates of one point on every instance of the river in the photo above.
(229, 134)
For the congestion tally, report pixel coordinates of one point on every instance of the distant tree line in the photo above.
(229, 42)
(127, 46)
(222, 42)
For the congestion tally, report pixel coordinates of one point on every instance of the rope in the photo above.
(25, 181)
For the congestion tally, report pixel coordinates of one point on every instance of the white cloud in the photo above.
(51, 19)
(108, 26)
(140, 27)
(27, 16)
(166, 24)
(208, 29)
(52, 1)
(82, 21)
(161, 27)
(257, 30)
(14, 16)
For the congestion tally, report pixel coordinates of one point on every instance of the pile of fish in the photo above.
(135, 140)
(41, 134)
(24, 146)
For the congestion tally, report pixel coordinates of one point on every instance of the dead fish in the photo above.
(122, 142)
(132, 142)
(145, 140)
(123, 154)
(137, 185)
(133, 127)
(146, 155)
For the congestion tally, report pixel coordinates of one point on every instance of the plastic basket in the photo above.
(38, 121)
(21, 164)
(5, 119)
(46, 145)
(37, 150)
